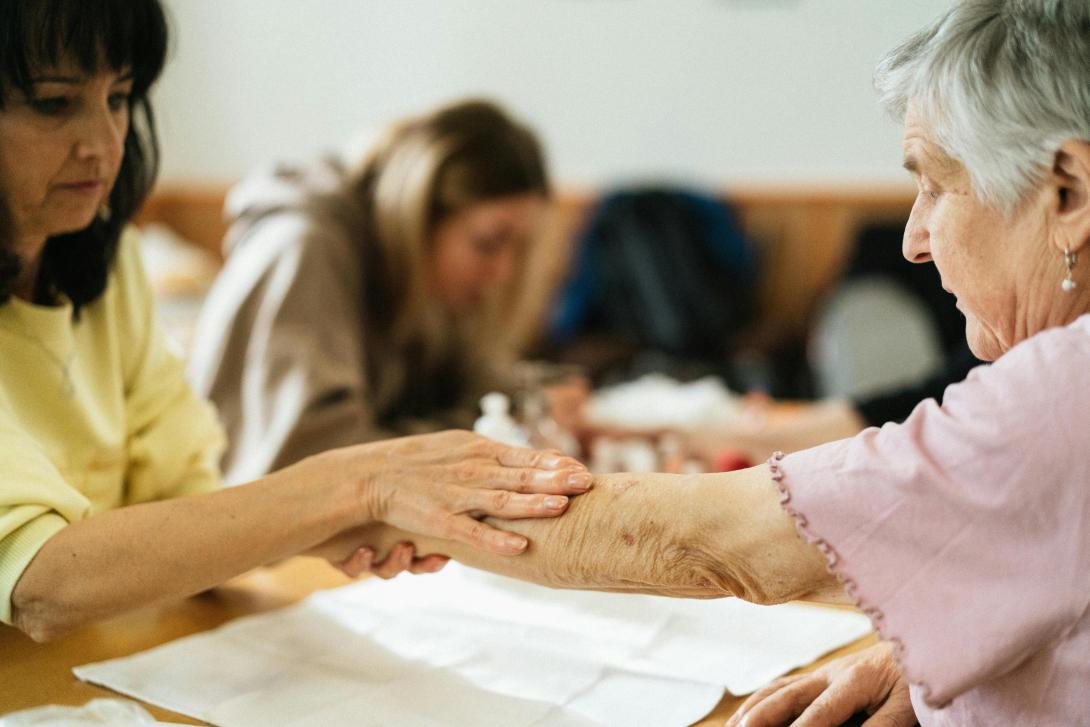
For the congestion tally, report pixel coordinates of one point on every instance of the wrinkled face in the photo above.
(476, 251)
(61, 148)
(991, 263)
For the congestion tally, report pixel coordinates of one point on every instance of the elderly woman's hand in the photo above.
(867, 681)
(443, 484)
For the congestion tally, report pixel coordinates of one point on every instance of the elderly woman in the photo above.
(109, 496)
(963, 532)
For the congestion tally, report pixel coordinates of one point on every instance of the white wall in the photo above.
(714, 90)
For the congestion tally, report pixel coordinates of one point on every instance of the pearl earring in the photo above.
(1070, 258)
(104, 212)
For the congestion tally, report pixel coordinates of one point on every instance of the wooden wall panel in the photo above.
(802, 236)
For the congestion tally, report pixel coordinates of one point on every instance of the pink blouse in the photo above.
(965, 534)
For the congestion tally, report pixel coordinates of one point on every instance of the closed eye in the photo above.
(119, 101)
(51, 105)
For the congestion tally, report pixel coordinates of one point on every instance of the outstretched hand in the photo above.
(444, 484)
(867, 681)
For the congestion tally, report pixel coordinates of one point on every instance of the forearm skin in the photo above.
(143, 554)
(695, 536)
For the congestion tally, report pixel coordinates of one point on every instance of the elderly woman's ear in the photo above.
(1071, 177)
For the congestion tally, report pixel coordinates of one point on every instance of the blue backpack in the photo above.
(666, 269)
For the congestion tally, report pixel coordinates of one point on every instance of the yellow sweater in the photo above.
(94, 414)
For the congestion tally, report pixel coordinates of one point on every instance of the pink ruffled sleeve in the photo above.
(965, 532)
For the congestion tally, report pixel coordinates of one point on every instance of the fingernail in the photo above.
(551, 462)
(555, 502)
(514, 542)
(570, 463)
(582, 480)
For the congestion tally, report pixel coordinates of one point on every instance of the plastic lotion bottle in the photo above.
(497, 424)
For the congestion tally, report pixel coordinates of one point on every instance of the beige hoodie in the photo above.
(292, 345)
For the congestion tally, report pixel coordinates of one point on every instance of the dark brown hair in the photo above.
(117, 34)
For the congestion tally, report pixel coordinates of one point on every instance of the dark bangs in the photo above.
(39, 34)
(94, 34)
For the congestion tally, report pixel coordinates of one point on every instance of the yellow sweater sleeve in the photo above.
(35, 503)
(175, 440)
(171, 440)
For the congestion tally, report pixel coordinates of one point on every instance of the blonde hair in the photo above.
(421, 171)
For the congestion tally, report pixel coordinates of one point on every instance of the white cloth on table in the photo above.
(96, 712)
(465, 647)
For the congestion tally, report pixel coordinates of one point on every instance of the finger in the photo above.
(480, 535)
(398, 560)
(542, 459)
(429, 564)
(390, 566)
(405, 557)
(526, 480)
(387, 568)
(760, 695)
(784, 705)
(357, 564)
(834, 706)
(895, 712)
(512, 506)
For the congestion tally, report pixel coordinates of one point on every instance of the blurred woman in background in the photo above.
(362, 303)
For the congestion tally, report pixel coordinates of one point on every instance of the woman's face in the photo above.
(477, 250)
(1003, 271)
(61, 148)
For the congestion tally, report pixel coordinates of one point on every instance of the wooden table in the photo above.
(36, 674)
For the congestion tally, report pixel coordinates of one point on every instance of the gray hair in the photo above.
(1001, 84)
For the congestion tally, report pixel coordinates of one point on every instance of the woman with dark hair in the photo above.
(108, 500)
(362, 301)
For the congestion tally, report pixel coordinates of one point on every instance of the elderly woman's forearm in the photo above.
(698, 536)
(636, 533)
(607, 540)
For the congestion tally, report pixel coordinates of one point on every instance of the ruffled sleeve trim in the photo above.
(835, 566)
